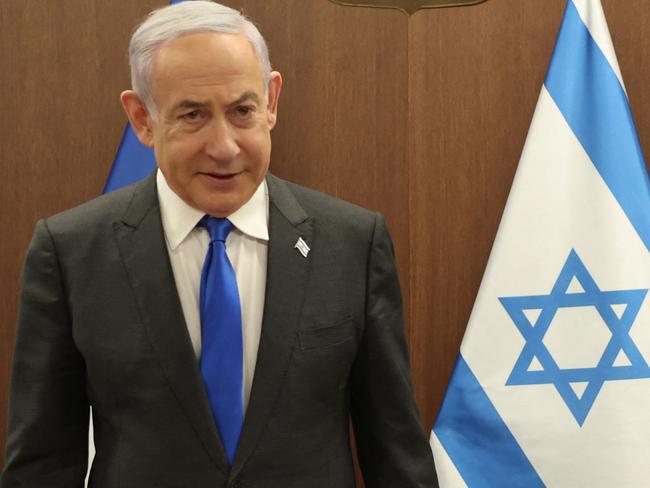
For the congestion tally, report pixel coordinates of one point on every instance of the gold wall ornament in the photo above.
(408, 6)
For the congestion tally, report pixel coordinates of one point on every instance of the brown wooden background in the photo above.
(422, 118)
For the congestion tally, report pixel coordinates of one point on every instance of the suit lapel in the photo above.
(140, 238)
(287, 273)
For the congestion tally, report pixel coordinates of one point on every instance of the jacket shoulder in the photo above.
(327, 208)
(99, 212)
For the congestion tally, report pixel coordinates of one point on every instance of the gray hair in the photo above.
(184, 18)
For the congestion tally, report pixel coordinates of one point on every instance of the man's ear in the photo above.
(274, 89)
(138, 115)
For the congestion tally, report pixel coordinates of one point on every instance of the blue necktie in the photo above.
(221, 337)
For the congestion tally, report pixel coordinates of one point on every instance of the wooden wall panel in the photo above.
(421, 118)
(475, 75)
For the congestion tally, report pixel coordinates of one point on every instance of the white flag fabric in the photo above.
(552, 384)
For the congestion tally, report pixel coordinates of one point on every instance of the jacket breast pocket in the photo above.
(327, 335)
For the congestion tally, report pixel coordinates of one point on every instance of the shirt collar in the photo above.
(179, 219)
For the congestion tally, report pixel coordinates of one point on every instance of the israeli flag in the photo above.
(552, 384)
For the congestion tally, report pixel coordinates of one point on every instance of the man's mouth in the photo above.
(221, 176)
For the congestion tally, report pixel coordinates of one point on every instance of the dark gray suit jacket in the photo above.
(100, 324)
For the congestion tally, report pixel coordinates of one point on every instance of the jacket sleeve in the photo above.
(47, 436)
(391, 444)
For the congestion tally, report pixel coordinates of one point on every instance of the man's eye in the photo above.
(245, 112)
(193, 115)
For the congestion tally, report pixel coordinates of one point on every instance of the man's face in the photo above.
(211, 130)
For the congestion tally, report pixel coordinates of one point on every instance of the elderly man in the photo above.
(222, 323)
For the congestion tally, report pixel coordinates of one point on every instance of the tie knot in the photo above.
(218, 228)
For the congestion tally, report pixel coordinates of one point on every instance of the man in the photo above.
(128, 303)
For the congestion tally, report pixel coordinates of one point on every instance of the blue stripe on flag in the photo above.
(477, 439)
(133, 162)
(590, 96)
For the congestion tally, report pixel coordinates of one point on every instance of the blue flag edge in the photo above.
(133, 162)
(476, 438)
(618, 157)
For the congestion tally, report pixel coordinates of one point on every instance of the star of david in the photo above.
(560, 297)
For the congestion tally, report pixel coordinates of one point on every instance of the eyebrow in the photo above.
(194, 104)
(190, 104)
(247, 95)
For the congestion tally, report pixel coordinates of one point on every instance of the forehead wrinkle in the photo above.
(186, 70)
(232, 60)
(187, 103)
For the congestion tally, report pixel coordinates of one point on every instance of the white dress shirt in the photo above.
(247, 249)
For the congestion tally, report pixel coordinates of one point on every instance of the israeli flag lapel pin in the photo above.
(302, 247)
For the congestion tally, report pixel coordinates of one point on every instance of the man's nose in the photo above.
(221, 144)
